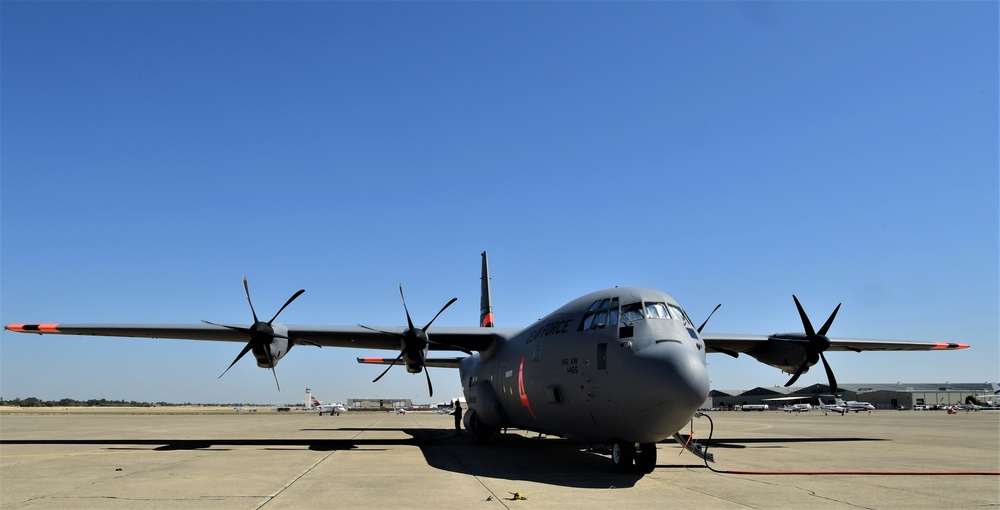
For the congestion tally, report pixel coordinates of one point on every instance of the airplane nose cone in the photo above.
(668, 383)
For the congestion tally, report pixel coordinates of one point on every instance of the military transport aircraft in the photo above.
(623, 367)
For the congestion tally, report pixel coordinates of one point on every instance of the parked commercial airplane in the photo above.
(832, 407)
(854, 405)
(623, 366)
(796, 408)
(333, 409)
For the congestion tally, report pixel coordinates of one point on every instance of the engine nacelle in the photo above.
(783, 354)
(279, 347)
(484, 405)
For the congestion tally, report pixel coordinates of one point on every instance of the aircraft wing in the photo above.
(731, 344)
(467, 338)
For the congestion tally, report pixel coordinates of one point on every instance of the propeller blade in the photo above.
(234, 328)
(246, 289)
(275, 373)
(709, 317)
(805, 319)
(829, 374)
(829, 322)
(408, 321)
(390, 366)
(427, 372)
(452, 347)
(242, 353)
(798, 372)
(297, 294)
(445, 307)
(390, 333)
(270, 361)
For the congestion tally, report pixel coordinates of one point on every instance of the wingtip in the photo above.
(32, 328)
(951, 346)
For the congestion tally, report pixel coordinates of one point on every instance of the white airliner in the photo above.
(333, 409)
(854, 405)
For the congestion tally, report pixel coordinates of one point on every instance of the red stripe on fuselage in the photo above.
(520, 389)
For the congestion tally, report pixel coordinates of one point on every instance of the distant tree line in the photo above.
(101, 402)
(69, 402)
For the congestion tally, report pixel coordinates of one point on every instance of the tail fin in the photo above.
(485, 303)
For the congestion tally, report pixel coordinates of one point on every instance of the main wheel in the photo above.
(645, 458)
(622, 455)
(480, 434)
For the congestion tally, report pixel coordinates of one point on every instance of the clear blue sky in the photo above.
(154, 153)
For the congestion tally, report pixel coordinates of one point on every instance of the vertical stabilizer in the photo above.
(485, 303)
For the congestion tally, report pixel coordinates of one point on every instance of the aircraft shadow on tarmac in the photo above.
(516, 456)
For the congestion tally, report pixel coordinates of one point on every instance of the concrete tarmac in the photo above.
(151, 459)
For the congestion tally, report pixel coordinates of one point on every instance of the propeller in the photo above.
(816, 343)
(261, 334)
(415, 341)
(709, 317)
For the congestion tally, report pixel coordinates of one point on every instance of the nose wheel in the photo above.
(622, 455)
(645, 458)
(626, 458)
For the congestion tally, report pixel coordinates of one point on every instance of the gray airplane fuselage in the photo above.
(622, 363)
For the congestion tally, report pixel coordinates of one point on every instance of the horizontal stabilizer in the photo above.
(431, 362)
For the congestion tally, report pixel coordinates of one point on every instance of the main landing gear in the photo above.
(627, 458)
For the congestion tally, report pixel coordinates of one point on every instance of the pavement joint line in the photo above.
(306, 471)
(293, 480)
(493, 495)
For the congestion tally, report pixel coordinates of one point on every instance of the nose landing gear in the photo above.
(626, 458)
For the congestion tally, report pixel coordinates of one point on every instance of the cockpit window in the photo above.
(601, 313)
(632, 312)
(679, 314)
(657, 311)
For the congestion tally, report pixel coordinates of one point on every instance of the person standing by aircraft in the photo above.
(458, 417)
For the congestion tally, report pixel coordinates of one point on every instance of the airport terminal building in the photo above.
(881, 395)
(378, 404)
